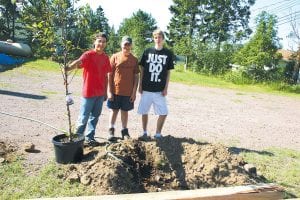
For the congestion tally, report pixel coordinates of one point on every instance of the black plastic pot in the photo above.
(66, 151)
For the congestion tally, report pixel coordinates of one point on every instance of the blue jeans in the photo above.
(90, 111)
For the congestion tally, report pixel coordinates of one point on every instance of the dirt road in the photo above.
(250, 121)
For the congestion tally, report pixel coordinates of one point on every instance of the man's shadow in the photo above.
(22, 95)
(173, 149)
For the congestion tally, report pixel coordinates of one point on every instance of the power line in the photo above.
(269, 5)
(284, 7)
(288, 15)
(289, 21)
(286, 19)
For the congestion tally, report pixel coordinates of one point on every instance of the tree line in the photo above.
(210, 33)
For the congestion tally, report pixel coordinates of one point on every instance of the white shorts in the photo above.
(157, 99)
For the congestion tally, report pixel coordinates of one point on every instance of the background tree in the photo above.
(295, 36)
(113, 44)
(140, 27)
(7, 17)
(87, 24)
(211, 22)
(40, 19)
(99, 22)
(259, 54)
(184, 25)
(225, 20)
(37, 19)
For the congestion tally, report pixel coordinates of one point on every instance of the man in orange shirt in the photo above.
(122, 86)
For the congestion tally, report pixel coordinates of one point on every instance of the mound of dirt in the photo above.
(158, 165)
(6, 152)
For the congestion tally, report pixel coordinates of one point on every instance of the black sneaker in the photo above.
(111, 135)
(92, 142)
(125, 134)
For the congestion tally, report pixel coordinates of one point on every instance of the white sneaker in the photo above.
(157, 136)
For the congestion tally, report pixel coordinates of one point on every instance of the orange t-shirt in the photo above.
(124, 69)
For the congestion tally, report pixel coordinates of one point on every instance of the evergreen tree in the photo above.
(184, 26)
(8, 17)
(225, 20)
(210, 21)
(113, 44)
(140, 27)
(260, 52)
(99, 22)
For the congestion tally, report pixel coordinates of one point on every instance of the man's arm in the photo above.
(141, 80)
(109, 86)
(75, 64)
(135, 85)
(165, 91)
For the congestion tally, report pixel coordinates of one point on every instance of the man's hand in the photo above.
(164, 92)
(110, 96)
(140, 89)
(132, 98)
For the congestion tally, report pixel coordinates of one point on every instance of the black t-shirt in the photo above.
(156, 64)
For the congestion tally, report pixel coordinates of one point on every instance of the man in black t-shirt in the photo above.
(156, 64)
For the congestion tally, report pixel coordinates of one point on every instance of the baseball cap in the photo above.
(126, 39)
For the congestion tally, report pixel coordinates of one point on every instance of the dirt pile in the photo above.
(158, 165)
(6, 152)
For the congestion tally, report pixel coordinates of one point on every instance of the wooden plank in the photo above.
(249, 192)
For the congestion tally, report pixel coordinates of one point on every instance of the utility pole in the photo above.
(13, 23)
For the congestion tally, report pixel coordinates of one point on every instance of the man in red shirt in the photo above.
(95, 64)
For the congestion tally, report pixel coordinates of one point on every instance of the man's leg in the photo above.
(160, 123)
(145, 122)
(161, 109)
(94, 117)
(143, 109)
(124, 118)
(112, 122)
(85, 110)
(113, 117)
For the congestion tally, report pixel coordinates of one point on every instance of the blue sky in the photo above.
(117, 10)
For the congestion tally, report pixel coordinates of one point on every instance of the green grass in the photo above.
(192, 78)
(5, 85)
(281, 166)
(16, 184)
(49, 92)
(44, 65)
(30, 67)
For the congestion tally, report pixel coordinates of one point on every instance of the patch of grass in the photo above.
(237, 100)
(239, 93)
(5, 85)
(49, 92)
(192, 78)
(44, 65)
(283, 168)
(16, 184)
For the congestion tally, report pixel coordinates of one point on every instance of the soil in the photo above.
(204, 132)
